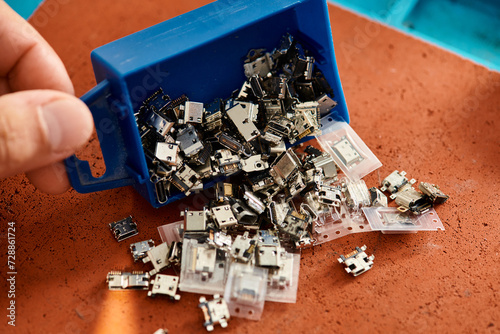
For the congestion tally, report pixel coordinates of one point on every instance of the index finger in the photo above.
(27, 61)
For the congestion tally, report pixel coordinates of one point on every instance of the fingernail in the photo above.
(69, 124)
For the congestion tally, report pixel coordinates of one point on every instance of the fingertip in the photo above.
(69, 123)
(51, 179)
(40, 127)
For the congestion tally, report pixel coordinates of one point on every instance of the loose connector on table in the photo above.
(124, 228)
(165, 285)
(139, 249)
(357, 262)
(136, 280)
(215, 312)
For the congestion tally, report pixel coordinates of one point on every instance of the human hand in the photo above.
(41, 121)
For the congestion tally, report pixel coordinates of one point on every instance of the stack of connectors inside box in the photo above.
(244, 245)
(188, 143)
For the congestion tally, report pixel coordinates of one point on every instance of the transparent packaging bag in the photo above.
(392, 221)
(284, 282)
(246, 289)
(337, 223)
(171, 232)
(347, 149)
(203, 268)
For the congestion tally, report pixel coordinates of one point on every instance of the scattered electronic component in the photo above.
(193, 112)
(273, 106)
(224, 191)
(136, 280)
(346, 152)
(253, 201)
(213, 122)
(215, 312)
(410, 199)
(328, 195)
(306, 120)
(205, 261)
(240, 118)
(195, 221)
(261, 66)
(203, 156)
(295, 225)
(314, 176)
(244, 215)
(161, 125)
(167, 152)
(268, 238)
(306, 240)
(325, 104)
(157, 102)
(204, 171)
(254, 164)
(223, 216)
(243, 247)
(285, 166)
(356, 194)
(227, 162)
(161, 331)
(260, 181)
(139, 249)
(185, 179)
(124, 228)
(269, 256)
(220, 240)
(377, 198)
(277, 129)
(161, 188)
(165, 285)
(203, 265)
(308, 210)
(174, 254)
(433, 192)
(312, 151)
(278, 212)
(357, 262)
(394, 182)
(326, 163)
(229, 142)
(312, 204)
(295, 185)
(189, 141)
(158, 256)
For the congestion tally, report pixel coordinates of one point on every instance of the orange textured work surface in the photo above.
(419, 108)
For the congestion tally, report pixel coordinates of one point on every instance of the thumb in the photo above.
(39, 127)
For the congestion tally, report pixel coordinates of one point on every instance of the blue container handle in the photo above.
(105, 111)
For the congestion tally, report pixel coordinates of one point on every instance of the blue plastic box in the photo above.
(199, 54)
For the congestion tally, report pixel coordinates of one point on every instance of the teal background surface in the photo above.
(469, 28)
(24, 7)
